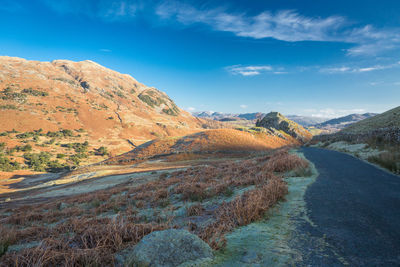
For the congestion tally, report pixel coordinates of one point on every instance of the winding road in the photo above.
(354, 212)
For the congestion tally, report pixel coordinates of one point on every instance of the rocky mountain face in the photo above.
(113, 109)
(276, 122)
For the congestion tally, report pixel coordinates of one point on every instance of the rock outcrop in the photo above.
(168, 248)
(276, 122)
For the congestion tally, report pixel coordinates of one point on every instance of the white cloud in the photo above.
(248, 70)
(243, 106)
(346, 69)
(332, 113)
(191, 109)
(285, 25)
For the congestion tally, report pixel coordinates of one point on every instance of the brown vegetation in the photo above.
(89, 229)
(211, 141)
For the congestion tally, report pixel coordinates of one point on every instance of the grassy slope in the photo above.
(390, 118)
(218, 140)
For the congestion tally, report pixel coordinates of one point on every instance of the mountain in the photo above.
(306, 121)
(276, 122)
(341, 122)
(387, 120)
(110, 108)
(302, 120)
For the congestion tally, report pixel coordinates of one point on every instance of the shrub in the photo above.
(38, 162)
(101, 151)
(25, 148)
(7, 165)
(55, 166)
(61, 156)
(34, 92)
(78, 147)
(61, 133)
(25, 135)
(8, 107)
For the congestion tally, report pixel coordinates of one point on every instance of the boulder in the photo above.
(167, 248)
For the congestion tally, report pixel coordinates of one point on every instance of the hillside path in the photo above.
(354, 212)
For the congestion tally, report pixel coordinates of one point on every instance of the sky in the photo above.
(312, 57)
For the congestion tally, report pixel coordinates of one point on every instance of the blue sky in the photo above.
(309, 57)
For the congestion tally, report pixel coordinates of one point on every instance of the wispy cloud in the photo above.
(348, 69)
(103, 9)
(331, 112)
(243, 106)
(248, 70)
(105, 50)
(190, 109)
(285, 25)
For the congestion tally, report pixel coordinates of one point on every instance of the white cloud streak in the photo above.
(248, 70)
(332, 113)
(285, 25)
(347, 69)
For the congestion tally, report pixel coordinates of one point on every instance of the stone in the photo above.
(167, 248)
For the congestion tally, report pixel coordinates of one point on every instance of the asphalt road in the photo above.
(354, 210)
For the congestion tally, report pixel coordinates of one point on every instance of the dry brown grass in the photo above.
(91, 242)
(243, 210)
(88, 238)
(195, 210)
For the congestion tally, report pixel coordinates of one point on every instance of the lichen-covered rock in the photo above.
(167, 248)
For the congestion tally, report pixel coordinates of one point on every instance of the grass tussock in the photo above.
(389, 160)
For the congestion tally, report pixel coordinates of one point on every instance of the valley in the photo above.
(98, 169)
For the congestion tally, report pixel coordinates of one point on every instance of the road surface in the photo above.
(354, 210)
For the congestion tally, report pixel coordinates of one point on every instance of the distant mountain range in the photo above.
(342, 122)
(329, 125)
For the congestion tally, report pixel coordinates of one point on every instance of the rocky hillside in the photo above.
(276, 122)
(113, 109)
